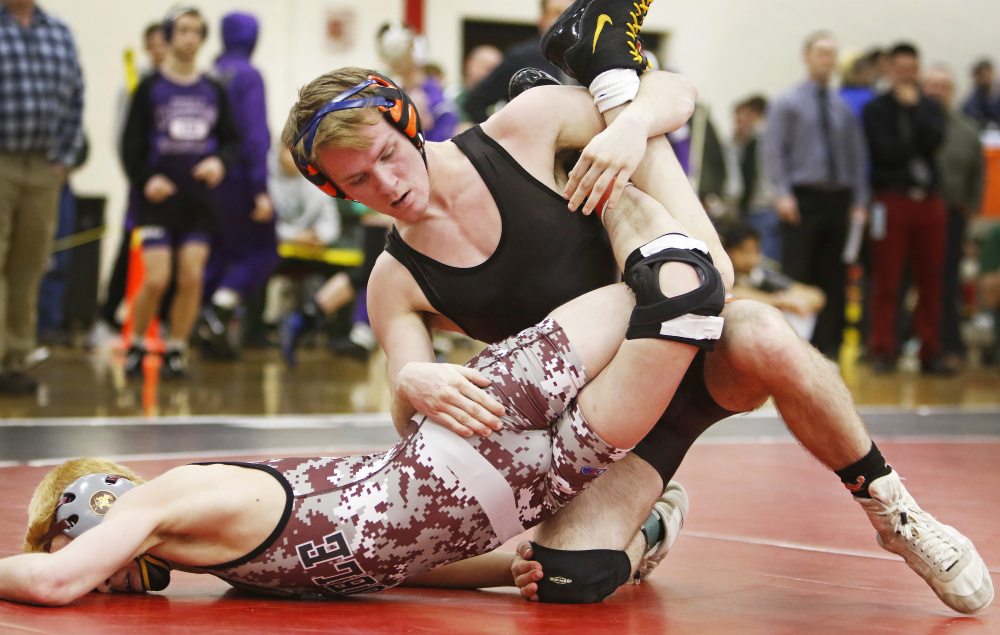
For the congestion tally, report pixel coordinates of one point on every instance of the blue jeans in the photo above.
(765, 220)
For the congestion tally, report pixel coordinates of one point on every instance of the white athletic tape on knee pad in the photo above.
(694, 327)
(672, 241)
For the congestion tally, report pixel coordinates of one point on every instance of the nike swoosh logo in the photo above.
(859, 483)
(601, 21)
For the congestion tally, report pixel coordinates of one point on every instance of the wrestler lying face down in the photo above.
(338, 526)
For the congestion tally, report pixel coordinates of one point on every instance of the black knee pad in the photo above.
(580, 577)
(693, 317)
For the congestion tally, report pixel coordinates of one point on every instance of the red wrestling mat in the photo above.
(773, 544)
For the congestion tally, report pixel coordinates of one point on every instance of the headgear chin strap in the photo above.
(396, 106)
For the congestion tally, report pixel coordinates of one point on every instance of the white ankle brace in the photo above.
(614, 88)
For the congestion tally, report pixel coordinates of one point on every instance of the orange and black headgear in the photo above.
(396, 106)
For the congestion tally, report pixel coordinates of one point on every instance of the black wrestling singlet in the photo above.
(547, 255)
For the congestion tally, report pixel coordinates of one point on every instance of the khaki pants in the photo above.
(29, 206)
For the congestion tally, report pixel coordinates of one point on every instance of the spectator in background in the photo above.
(309, 218)
(706, 160)
(479, 63)
(305, 215)
(527, 54)
(961, 164)
(989, 283)
(402, 52)
(757, 280)
(41, 97)
(983, 104)
(245, 250)
(180, 138)
(904, 130)
(155, 47)
(857, 87)
(756, 194)
(815, 156)
(340, 290)
(54, 322)
(880, 64)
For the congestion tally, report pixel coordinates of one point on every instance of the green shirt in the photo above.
(990, 255)
(960, 161)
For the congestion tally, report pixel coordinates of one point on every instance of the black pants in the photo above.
(117, 281)
(812, 253)
(951, 286)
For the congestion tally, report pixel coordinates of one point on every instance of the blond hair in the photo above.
(339, 129)
(42, 508)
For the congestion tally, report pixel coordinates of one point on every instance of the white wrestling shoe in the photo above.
(946, 559)
(672, 508)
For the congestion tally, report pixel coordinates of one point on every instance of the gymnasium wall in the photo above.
(730, 48)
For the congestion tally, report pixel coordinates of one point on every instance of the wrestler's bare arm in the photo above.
(547, 121)
(488, 570)
(652, 164)
(55, 579)
(447, 393)
(190, 516)
(664, 103)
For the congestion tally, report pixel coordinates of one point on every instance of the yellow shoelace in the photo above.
(641, 8)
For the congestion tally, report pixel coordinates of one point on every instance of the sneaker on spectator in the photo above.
(174, 365)
(17, 383)
(133, 361)
(293, 328)
(213, 329)
(100, 335)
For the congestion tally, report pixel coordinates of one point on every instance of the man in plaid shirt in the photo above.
(41, 106)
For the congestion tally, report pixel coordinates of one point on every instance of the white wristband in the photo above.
(614, 88)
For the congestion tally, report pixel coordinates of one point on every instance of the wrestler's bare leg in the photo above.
(759, 355)
(608, 515)
(650, 368)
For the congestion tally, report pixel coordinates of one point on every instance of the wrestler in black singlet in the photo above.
(546, 257)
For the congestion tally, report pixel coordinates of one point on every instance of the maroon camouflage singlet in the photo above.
(365, 523)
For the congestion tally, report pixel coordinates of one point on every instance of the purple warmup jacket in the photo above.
(245, 251)
(246, 95)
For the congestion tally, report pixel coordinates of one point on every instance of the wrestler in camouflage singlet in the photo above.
(365, 523)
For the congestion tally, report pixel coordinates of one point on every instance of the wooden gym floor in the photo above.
(773, 543)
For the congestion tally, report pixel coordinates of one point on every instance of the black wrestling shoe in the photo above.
(219, 341)
(133, 361)
(174, 366)
(609, 25)
(527, 78)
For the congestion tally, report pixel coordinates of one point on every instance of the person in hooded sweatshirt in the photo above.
(245, 251)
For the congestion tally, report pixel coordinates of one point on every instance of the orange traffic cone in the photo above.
(133, 283)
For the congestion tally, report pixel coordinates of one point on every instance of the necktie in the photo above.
(748, 169)
(824, 119)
